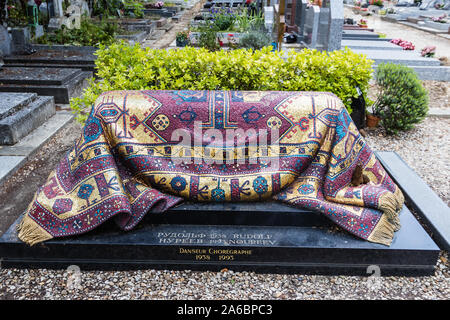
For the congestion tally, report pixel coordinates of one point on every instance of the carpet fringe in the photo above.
(383, 232)
(30, 232)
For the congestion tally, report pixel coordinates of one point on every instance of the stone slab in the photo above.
(277, 238)
(9, 164)
(346, 34)
(436, 73)
(14, 157)
(11, 102)
(37, 76)
(137, 37)
(368, 44)
(19, 124)
(55, 55)
(407, 57)
(441, 113)
(61, 92)
(420, 196)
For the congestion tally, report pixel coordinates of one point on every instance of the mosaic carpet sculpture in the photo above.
(146, 151)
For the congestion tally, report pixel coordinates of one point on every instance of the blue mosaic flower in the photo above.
(178, 184)
(85, 191)
(306, 189)
(218, 194)
(260, 185)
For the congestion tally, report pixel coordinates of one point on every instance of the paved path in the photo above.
(419, 38)
(183, 23)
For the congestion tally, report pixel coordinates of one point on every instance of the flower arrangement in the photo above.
(406, 45)
(357, 3)
(440, 19)
(158, 4)
(378, 3)
(428, 51)
(362, 23)
(182, 38)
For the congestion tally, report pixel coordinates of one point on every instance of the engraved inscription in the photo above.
(206, 253)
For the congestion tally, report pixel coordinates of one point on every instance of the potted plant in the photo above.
(182, 38)
(378, 3)
(372, 119)
(362, 23)
(428, 51)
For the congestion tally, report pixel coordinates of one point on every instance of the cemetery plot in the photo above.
(62, 84)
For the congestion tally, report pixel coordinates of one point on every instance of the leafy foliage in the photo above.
(255, 40)
(208, 37)
(89, 34)
(402, 101)
(123, 67)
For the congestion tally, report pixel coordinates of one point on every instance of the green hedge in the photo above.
(123, 67)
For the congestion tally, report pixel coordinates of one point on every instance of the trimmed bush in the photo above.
(254, 40)
(401, 101)
(123, 67)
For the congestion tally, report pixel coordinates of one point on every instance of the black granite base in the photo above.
(260, 237)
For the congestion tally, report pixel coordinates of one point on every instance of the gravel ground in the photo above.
(430, 141)
(152, 284)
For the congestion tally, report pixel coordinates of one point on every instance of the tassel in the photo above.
(391, 203)
(383, 232)
(30, 232)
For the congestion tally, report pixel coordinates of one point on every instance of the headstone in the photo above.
(335, 26)
(311, 26)
(57, 20)
(291, 6)
(300, 14)
(405, 3)
(426, 4)
(269, 18)
(83, 5)
(5, 41)
(20, 40)
(324, 25)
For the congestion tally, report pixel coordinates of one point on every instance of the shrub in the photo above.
(208, 37)
(255, 40)
(123, 67)
(89, 34)
(401, 101)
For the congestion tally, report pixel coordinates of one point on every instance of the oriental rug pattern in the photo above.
(146, 151)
